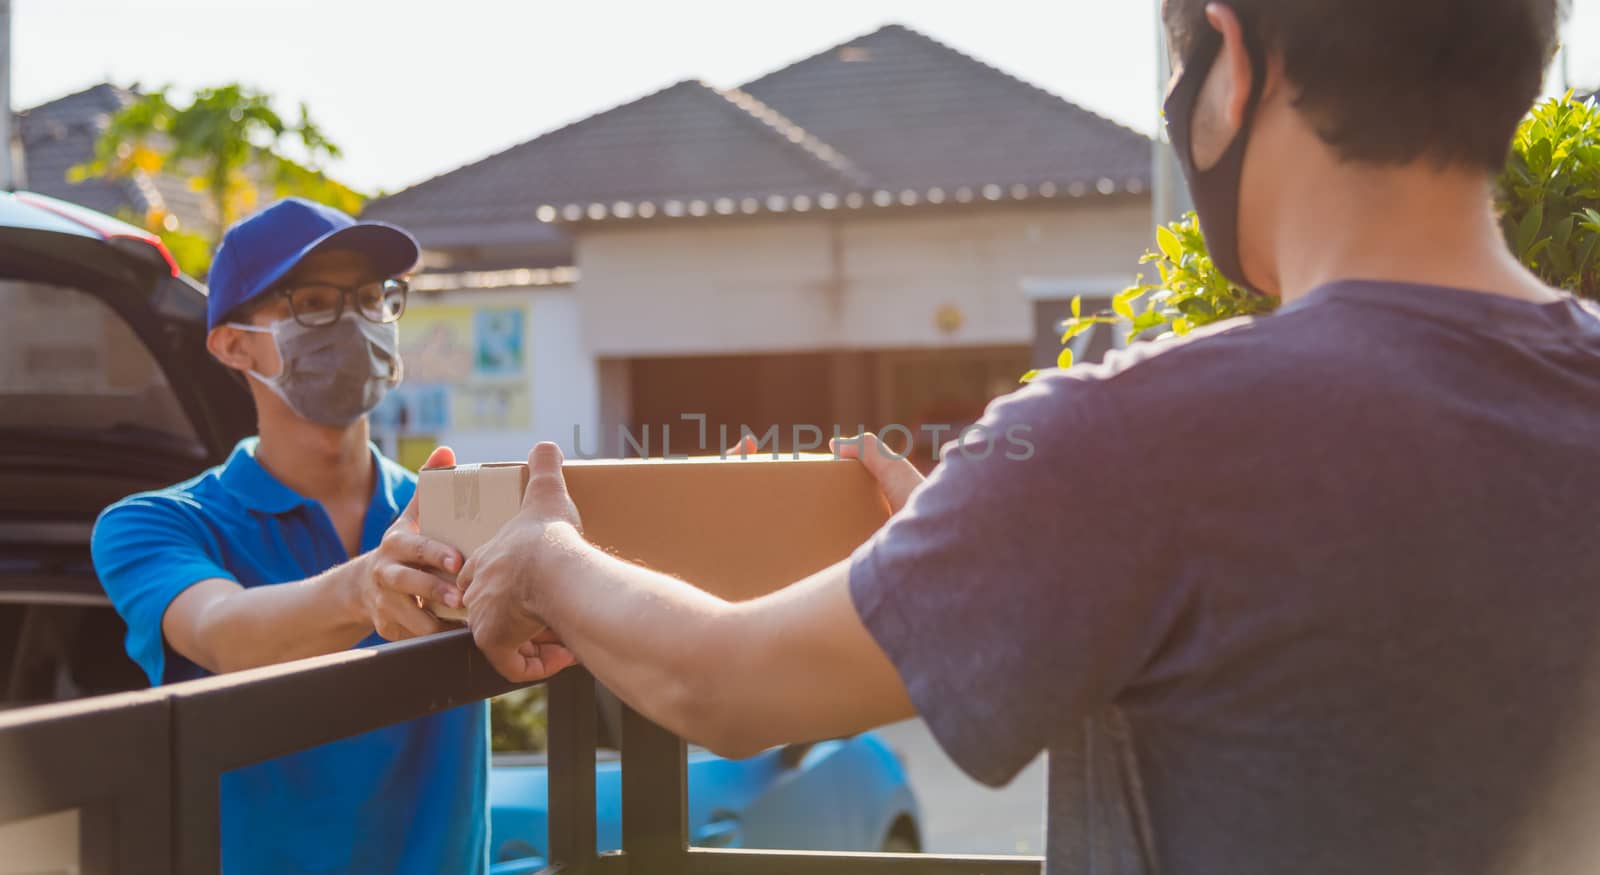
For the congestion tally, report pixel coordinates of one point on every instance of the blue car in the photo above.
(848, 794)
(842, 795)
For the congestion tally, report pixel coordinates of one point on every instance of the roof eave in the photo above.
(854, 201)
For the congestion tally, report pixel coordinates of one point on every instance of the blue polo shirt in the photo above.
(406, 799)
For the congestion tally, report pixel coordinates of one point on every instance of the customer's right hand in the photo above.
(408, 567)
(895, 474)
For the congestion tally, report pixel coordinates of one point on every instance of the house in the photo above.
(61, 134)
(885, 233)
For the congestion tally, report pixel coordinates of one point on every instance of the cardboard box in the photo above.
(738, 528)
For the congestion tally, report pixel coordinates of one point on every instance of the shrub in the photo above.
(1549, 193)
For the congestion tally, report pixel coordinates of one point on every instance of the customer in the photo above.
(1329, 591)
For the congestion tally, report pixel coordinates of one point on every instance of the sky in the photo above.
(414, 88)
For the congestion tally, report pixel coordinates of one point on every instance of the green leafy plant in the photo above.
(1549, 201)
(1549, 193)
(231, 145)
(1190, 292)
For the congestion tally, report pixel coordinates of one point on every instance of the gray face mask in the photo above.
(333, 374)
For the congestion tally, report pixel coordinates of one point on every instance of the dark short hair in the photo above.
(246, 310)
(1395, 81)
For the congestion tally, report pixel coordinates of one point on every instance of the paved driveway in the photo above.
(961, 816)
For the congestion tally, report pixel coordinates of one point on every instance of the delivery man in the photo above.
(1331, 595)
(302, 543)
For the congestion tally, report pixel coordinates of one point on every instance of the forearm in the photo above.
(661, 645)
(266, 625)
(796, 665)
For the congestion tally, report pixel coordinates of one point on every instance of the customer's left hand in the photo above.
(501, 582)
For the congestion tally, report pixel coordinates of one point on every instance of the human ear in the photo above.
(233, 348)
(1232, 74)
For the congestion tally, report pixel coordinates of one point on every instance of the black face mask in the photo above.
(1216, 189)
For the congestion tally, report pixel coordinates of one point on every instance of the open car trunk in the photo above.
(106, 389)
(59, 637)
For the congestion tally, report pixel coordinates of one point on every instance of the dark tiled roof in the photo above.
(61, 134)
(682, 142)
(891, 118)
(918, 114)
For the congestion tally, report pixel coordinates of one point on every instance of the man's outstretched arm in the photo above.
(1007, 609)
(163, 578)
(736, 677)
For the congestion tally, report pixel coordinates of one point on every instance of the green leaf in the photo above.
(1586, 254)
(1168, 241)
(1528, 229)
(1561, 261)
(1122, 304)
(1065, 359)
(1539, 157)
(1076, 327)
(1148, 320)
(1562, 232)
(1206, 311)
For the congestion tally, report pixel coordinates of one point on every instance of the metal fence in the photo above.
(143, 769)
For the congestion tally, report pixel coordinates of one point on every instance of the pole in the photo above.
(1170, 196)
(8, 169)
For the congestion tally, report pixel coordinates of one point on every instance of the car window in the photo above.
(69, 362)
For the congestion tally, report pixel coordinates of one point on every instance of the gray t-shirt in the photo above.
(1313, 593)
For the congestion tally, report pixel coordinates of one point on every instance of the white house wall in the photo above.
(566, 380)
(705, 287)
(840, 280)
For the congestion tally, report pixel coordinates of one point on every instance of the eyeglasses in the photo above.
(318, 304)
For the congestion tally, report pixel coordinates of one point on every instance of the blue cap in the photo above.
(258, 251)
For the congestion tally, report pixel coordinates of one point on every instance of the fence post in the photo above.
(571, 710)
(655, 791)
(107, 758)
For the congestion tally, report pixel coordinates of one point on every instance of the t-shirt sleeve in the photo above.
(1014, 591)
(146, 551)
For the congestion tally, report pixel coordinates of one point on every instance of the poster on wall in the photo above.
(498, 334)
(436, 344)
(465, 370)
